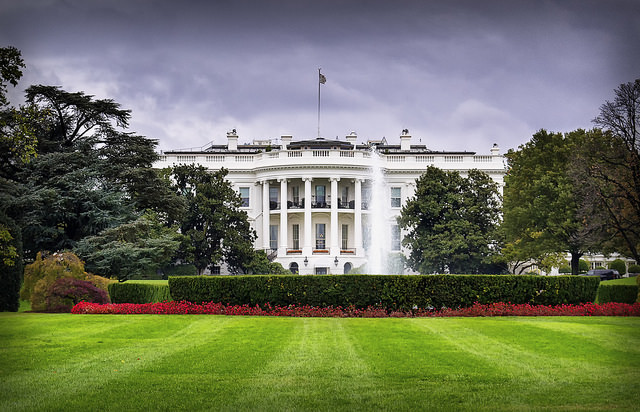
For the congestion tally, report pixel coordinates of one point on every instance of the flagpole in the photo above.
(319, 82)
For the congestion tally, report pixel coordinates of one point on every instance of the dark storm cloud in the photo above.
(459, 74)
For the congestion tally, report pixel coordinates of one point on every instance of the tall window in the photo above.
(244, 194)
(345, 237)
(395, 237)
(295, 192)
(273, 197)
(320, 235)
(273, 237)
(320, 195)
(296, 236)
(395, 197)
(345, 195)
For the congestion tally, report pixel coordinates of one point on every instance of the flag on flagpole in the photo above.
(323, 79)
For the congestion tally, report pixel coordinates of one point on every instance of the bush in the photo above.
(387, 291)
(65, 293)
(11, 267)
(138, 292)
(618, 265)
(583, 266)
(564, 269)
(634, 268)
(617, 293)
(44, 271)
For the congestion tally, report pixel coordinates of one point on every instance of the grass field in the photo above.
(155, 362)
(623, 281)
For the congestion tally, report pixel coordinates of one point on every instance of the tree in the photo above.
(607, 168)
(540, 206)
(452, 222)
(217, 228)
(131, 249)
(89, 174)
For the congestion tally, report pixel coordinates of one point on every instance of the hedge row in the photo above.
(617, 293)
(138, 293)
(388, 291)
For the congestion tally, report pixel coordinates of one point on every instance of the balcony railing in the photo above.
(347, 251)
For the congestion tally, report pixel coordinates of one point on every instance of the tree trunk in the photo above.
(575, 262)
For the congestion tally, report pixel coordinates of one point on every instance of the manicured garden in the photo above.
(153, 362)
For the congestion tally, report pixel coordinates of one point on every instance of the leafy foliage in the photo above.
(619, 265)
(451, 222)
(218, 230)
(128, 292)
(131, 249)
(540, 204)
(40, 275)
(65, 293)
(617, 293)
(386, 291)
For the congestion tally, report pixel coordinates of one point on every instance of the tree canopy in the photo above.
(540, 204)
(452, 222)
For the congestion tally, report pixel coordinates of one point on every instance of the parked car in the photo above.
(605, 274)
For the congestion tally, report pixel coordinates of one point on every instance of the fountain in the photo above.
(377, 220)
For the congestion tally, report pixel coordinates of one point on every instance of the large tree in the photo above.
(540, 204)
(90, 173)
(606, 169)
(219, 231)
(452, 222)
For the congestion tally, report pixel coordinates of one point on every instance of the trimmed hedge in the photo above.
(617, 293)
(388, 291)
(138, 293)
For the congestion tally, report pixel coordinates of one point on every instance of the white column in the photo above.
(308, 230)
(266, 218)
(282, 242)
(334, 249)
(358, 218)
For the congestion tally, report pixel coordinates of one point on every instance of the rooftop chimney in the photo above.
(405, 140)
(351, 138)
(285, 139)
(495, 150)
(232, 136)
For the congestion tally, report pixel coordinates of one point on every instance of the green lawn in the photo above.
(158, 362)
(623, 281)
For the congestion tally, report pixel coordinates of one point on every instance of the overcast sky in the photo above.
(460, 75)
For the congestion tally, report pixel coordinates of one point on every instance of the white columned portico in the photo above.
(334, 249)
(358, 218)
(308, 230)
(266, 218)
(282, 244)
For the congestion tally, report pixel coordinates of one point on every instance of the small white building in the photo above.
(325, 206)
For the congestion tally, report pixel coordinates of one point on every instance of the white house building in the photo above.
(325, 206)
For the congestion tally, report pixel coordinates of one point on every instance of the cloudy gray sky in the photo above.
(460, 74)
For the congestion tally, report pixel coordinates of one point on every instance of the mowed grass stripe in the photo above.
(538, 363)
(318, 370)
(254, 363)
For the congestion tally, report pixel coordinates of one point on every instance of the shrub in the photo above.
(138, 292)
(617, 293)
(564, 269)
(634, 268)
(65, 293)
(583, 266)
(100, 282)
(618, 265)
(387, 291)
(44, 271)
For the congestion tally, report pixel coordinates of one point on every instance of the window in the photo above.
(320, 235)
(345, 194)
(395, 237)
(293, 268)
(244, 194)
(320, 196)
(321, 271)
(215, 270)
(273, 237)
(273, 197)
(395, 197)
(345, 237)
(295, 193)
(296, 236)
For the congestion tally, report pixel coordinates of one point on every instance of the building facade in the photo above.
(327, 206)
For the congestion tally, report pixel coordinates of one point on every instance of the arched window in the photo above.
(293, 268)
(347, 268)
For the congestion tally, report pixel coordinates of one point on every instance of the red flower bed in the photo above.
(493, 309)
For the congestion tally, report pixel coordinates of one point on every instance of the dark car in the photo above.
(605, 274)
